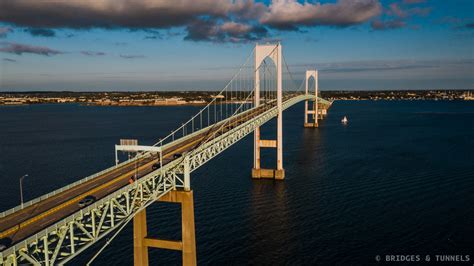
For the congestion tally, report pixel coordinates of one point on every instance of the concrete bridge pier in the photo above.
(314, 113)
(187, 245)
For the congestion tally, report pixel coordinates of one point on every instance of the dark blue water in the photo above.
(398, 179)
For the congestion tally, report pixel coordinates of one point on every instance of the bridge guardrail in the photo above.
(74, 216)
(55, 227)
(83, 180)
(62, 189)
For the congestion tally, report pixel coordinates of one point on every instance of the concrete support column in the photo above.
(140, 250)
(256, 150)
(187, 245)
(188, 228)
(306, 107)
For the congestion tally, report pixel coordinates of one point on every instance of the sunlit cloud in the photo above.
(290, 14)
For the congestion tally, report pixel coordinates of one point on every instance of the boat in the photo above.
(344, 120)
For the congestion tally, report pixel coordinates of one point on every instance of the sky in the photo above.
(124, 45)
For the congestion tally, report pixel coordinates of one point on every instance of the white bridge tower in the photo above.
(274, 52)
(314, 112)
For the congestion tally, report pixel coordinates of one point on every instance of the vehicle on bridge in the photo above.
(5, 243)
(86, 201)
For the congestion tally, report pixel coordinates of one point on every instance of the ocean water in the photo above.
(398, 179)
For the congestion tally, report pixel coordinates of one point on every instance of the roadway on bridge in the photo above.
(32, 219)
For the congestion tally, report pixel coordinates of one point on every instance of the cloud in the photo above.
(469, 26)
(248, 9)
(19, 49)
(4, 31)
(92, 53)
(210, 30)
(395, 10)
(419, 11)
(387, 25)
(9, 60)
(204, 20)
(41, 32)
(160, 35)
(397, 17)
(290, 14)
(153, 34)
(84, 14)
(409, 2)
(135, 15)
(125, 56)
(457, 23)
(153, 37)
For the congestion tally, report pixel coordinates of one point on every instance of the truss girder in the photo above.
(62, 241)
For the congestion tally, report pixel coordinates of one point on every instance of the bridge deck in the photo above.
(26, 222)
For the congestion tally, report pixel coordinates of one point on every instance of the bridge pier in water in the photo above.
(187, 245)
(274, 52)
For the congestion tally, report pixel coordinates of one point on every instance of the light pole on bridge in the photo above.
(21, 189)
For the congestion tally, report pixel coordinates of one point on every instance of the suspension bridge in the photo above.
(56, 227)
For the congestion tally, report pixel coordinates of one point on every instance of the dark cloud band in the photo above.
(41, 32)
(19, 49)
(204, 20)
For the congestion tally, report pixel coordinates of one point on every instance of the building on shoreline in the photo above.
(204, 97)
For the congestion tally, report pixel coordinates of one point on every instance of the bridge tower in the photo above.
(314, 112)
(274, 52)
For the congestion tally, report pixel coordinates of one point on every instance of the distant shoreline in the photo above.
(195, 104)
(141, 104)
(201, 98)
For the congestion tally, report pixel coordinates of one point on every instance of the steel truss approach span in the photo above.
(59, 229)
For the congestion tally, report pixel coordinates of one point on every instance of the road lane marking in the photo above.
(77, 198)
